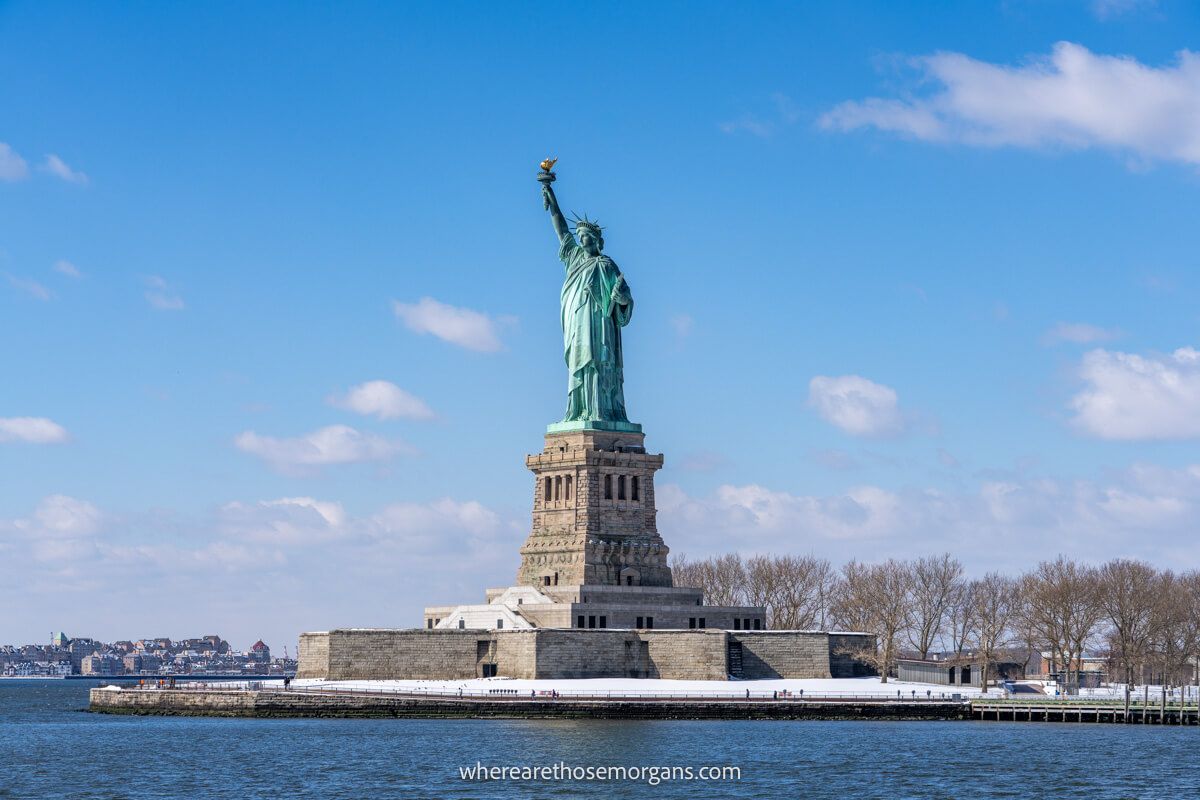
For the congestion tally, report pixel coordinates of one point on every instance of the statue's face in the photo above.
(589, 242)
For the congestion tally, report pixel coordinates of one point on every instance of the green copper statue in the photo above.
(596, 304)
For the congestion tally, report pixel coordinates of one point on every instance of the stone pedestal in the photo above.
(594, 521)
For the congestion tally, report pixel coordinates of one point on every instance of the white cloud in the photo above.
(1078, 333)
(858, 406)
(1144, 511)
(286, 521)
(1073, 99)
(332, 512)
(384, 400)
(30, 287)
(160, 295)
(59, 169)
(411, 518)
(1133, 397)
(67, 517)
(12, 166)
(36, 430)
(64, 267)
(461, 326)
(335, 444)
(61, 533)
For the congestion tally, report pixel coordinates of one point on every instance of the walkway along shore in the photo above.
(308, 702)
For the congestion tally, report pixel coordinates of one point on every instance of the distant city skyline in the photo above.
(281, 302)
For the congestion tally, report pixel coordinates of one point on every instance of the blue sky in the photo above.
(907, 279)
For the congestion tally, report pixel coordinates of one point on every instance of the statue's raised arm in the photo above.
(595, 303)
(550, 202)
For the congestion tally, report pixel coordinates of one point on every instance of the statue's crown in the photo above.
(584, 222)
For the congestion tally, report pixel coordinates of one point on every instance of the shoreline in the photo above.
(266, 703)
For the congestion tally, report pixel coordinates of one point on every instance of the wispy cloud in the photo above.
(30, 287)
(382, 399)
(857, 405)
(64, 267)
(34, 430)
(160, 295)
(1072, 98)
(1078, 333)
(764, 125)
(335, 444)
(1105, 10)
(473, 330)
(58, 168)
(682, 324)
(1139, 397)
(12, 166)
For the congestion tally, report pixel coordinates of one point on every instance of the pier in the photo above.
(1046, 709)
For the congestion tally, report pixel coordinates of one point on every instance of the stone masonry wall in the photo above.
(843, 659)
(581, 536)
(408, 654)
(516, 654)
(313, 655)
(687, 655)
(594, 654)
(783, 654)
(419, 654)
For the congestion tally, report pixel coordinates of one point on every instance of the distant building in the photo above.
(260, 652)
(101, 665)
(1088, 671)
(954, 670)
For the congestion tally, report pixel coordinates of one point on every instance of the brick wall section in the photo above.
(783, 654)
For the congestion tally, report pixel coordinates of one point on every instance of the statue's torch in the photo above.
(546, 177)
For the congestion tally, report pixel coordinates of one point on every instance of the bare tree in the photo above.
(961, 620)
(935, 579)
(721, 578)
(1190, 597)
(1174, 633)
(1062, 609)
(996, 599)
(1127, 593)
(762, 587)
(805, 583)
(875, 598)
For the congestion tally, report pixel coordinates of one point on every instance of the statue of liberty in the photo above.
(596, 304)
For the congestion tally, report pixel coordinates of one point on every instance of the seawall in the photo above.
(273, 703)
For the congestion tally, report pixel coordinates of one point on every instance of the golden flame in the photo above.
(549, 163)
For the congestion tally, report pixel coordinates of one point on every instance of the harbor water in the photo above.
(51, 747)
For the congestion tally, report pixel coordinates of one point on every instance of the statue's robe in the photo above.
(596, 304)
